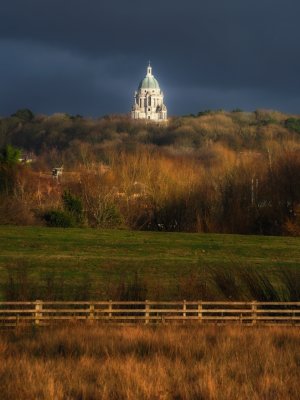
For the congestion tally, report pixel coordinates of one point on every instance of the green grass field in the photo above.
(86, 263)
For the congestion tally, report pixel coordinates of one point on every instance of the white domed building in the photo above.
(149, 100)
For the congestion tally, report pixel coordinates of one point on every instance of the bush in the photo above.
(265, 117)
(9, 160)
(58, 218)
(205, 112)
(73, 206)
(14, 211)
(9, 155)
(293, 124)
(24, 114)
(103, 214)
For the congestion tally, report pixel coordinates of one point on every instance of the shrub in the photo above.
(102, 213)
(15, 211)
(110, 216)
(9, 155)
(58, 218)
(24, 114)
(9, 159)
(265, 117)
(293, 124)
(73, 206)
(205, 112)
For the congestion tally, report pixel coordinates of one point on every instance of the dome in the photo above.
(149, 82)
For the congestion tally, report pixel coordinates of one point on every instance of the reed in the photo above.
(187, 362)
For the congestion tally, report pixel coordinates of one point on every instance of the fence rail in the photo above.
(149, 312)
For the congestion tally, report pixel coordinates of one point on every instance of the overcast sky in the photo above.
(88, 56)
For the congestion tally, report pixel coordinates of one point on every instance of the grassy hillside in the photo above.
(86, 263)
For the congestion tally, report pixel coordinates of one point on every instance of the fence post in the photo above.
(254, 312)
(38, 311)
(110, 309)
(200, 311)
(293, 318)
(184, 309)
(92, 311)
(147, 311)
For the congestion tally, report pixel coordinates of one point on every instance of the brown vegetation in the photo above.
(218, 172)
(174, 362)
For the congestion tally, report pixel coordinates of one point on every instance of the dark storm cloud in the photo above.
(48, 79)
(87, 56)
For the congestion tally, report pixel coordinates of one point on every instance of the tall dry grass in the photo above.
(173, 362)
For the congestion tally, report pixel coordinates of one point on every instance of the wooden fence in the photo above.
(149, 312)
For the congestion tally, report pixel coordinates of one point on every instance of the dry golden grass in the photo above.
(169, 362)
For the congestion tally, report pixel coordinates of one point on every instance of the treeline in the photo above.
(73, 139)
(232, 172)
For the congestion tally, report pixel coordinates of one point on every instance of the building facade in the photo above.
(149, 100)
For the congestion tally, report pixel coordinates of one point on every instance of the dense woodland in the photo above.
(217, 171)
